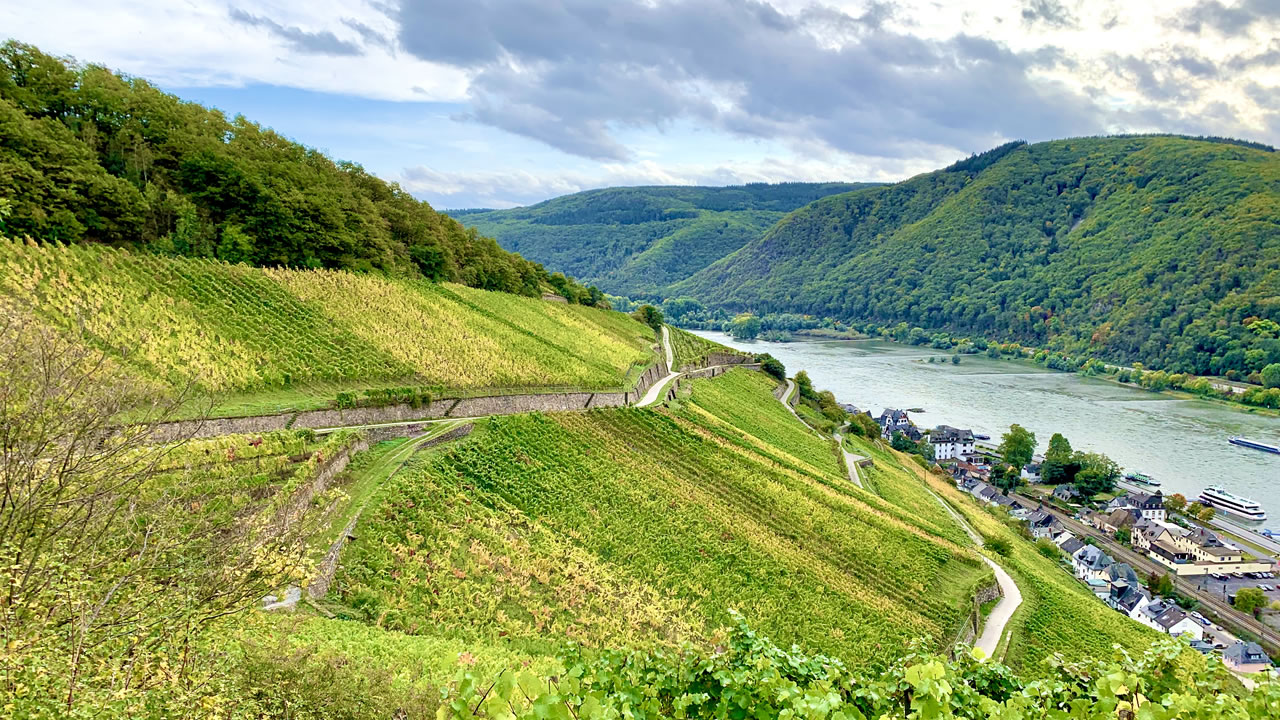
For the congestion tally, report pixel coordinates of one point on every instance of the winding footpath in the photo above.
(657, 389)
(994, 626)
(1011, 597)
(850, 460)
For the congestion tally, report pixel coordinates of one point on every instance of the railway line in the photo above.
(1228, 615)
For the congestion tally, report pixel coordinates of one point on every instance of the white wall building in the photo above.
(951, 443)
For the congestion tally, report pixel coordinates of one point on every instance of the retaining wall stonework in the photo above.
(436, 409)
(717, 370)
(969, 632)
(328, 567)
(717, 358)
(325, 474)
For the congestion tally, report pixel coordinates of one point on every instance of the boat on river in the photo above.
(1218, 498)
(1141, 479)
(1254, 444)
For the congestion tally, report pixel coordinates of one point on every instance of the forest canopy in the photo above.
(90, 155)
(636, 240)
(1158, 249)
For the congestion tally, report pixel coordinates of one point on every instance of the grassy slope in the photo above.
(636, 527)
(639, 240)
(295, 337)
(1137, 247)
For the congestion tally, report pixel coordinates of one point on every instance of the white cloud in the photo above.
(198, 43)
(511, 188)
(828, 90)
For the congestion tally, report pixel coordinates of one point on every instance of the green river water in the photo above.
(1182, 443)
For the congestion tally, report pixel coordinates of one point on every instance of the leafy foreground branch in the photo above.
(753, 678)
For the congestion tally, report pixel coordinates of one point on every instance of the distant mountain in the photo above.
(1155, 249)
(638, 240)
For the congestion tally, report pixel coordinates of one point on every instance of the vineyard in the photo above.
(889, 478)
(642, 528)
(233, 329)
(224, 481)
(1054, 607)
(689, 348)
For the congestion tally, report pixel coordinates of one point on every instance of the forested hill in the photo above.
(87, 155)
(637, 240)
(1156, 249)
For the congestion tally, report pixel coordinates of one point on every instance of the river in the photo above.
(1182, 443)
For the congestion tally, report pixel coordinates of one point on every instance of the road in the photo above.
(850, 461)
(1252, 536)
(1227, 614)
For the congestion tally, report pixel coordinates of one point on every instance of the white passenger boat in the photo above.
(1242, 507)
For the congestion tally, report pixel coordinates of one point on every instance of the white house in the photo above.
(1170, 619)
(951, 443)
(1090, 562)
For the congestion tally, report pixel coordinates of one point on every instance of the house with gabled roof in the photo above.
(951, 443)
(1089, 562)
(1043, 524)
(1071, 546)
(1066, 493)
(1246, 657)
(1129, 599)
(892, 421)
(1170, 619)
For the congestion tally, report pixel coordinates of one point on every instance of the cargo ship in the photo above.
(1254, 445)
(1242, 507)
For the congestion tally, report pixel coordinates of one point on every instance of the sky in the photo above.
(499, 103)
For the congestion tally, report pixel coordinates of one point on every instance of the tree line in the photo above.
(90, 155)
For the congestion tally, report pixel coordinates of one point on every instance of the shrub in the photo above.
(1045, 547)
(999, 546)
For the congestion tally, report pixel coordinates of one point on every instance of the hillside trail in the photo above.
(657, 389)
(994, 626)
(1011, 597)
(850, 460)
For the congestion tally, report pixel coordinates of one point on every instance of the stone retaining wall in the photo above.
(969, 632)
(325, 474)
(987, 594)
(717, 358)
(436, 409)
(717, 370)
(328, 567)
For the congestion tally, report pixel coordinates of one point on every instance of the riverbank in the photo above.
(1180, 440)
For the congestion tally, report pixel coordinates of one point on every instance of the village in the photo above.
(1130, 522)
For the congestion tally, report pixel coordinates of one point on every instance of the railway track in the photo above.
(1230, 617)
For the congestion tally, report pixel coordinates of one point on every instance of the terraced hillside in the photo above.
(297, 337)
(642, 528)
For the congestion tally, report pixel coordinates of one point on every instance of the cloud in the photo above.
(511, 188)
(316, 43)
(1228, 20)
(1049, 12)
(366, 33)
(572, 73)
